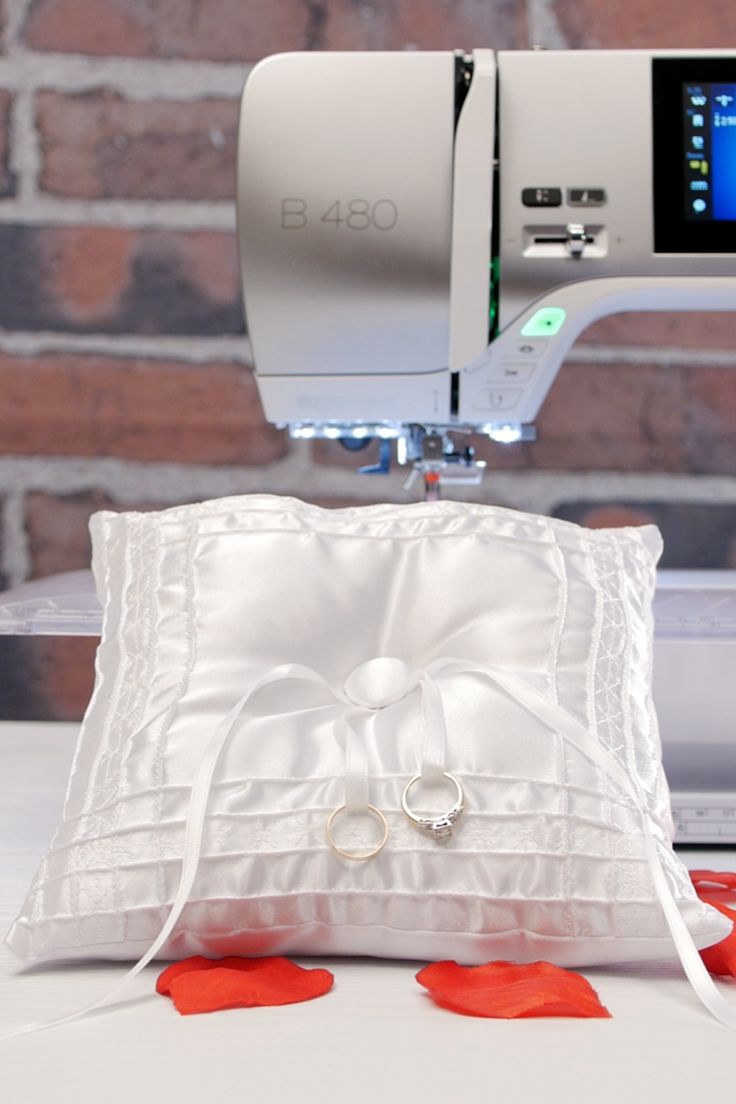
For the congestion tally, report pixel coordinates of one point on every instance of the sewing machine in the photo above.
(424, 236)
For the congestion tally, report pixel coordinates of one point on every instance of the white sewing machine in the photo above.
(423, 237)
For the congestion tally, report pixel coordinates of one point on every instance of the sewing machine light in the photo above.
(302, 432)
(345, 431)
(506, 433)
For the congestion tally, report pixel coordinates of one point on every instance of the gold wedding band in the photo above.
(353, 855)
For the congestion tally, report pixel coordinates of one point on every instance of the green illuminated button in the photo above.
(544, 323)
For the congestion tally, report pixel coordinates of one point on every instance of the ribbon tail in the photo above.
(559, 720)
(194, 830)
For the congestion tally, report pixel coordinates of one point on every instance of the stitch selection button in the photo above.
(541, 197)
(586, 197)
(513, 373)
(498, 398)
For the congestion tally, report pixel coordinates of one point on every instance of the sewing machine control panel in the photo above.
(615, 177)
(613, 163)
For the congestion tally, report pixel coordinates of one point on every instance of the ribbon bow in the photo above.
(373, 685)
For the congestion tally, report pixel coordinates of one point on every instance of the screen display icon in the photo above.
(709, 133)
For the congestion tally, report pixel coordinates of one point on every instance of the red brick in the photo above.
(687, 330)
(631, 23)
(57, 526)
(711, 420)
(695, 534)
(341, 502)
(135, 409)
(231, 30)
(98, 145)
(57, 530)
(618, 416)
(97, 279)
(424, 24)
(45, 678)
(7, 177)
(62, 673)
(616, 515)
(91, 27)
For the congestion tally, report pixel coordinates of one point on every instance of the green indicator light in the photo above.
(545, 322)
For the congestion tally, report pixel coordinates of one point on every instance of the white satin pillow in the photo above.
(548, 859)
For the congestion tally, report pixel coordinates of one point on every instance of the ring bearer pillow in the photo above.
(461, 691)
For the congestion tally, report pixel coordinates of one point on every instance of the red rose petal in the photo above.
(712, 886)
(196, 962)
(200, 984)
(721, 957)
(507, 990)
(715, 888)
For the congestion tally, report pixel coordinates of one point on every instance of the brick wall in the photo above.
(125, 375)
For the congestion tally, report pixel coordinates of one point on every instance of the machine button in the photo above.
(541, 197)
(529, 349)
(545, 322)
(498, 398)
(586, 197)
(512, 373)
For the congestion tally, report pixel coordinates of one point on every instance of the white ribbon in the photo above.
(375, 685)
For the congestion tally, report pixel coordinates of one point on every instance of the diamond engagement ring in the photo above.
(440, 827)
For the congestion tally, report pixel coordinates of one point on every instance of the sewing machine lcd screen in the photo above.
(694, 121)
(709, 119)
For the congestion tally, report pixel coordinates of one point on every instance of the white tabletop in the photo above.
(376, 1037)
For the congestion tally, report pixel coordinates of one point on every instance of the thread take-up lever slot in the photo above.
(574, 239)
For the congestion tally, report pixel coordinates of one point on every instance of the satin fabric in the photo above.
(548, 860)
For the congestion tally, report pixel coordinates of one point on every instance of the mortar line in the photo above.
(132, 480)
(25, 151)
(651, 354)
(137, 79)
(543, 26)
(15, 15)
(16, 557)
(192, 215)
(234, 348)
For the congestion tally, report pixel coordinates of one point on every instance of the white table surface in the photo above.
(377, 1037)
